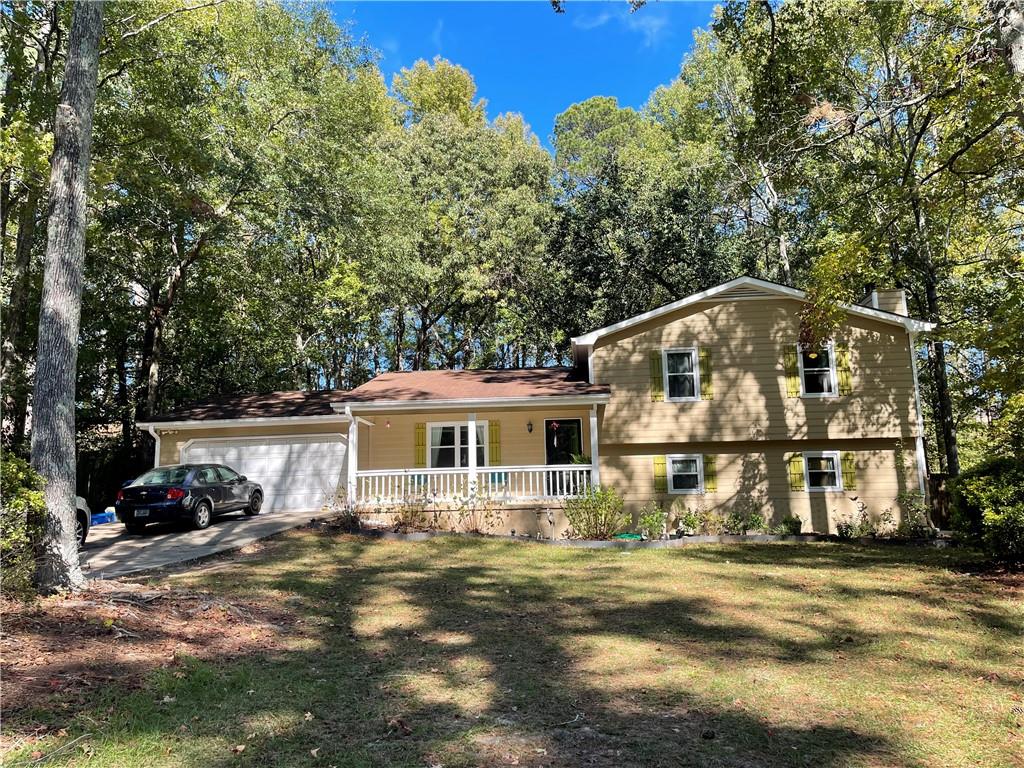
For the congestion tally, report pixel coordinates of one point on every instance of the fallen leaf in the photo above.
(314, 752)
(238, 749)
(308, 716)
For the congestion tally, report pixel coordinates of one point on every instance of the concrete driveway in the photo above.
(110, 551)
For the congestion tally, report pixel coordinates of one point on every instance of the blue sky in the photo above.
(526, 58)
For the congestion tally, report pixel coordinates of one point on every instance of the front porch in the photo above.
(451, 459)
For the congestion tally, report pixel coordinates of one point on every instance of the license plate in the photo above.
(142, 513)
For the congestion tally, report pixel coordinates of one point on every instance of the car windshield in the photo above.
(163, 476)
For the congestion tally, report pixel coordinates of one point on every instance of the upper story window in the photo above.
(822, 471)
(682, 374)
(817, 371)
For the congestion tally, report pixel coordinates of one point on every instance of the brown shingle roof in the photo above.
(267, 405)
(474, 384)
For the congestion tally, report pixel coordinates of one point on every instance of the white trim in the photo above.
(835, 456)
(352, 460)
(922, 462)
(695, 358)
(700, 473)
(831, 347)
(256, 438)
(243, 422)
(469, 403)
(471, 449)
(479, 423)
(595, 461)
(156, 452)
(780, 290)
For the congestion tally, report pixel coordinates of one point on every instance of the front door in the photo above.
(563, 444)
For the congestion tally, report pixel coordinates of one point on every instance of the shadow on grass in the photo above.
(449, 654)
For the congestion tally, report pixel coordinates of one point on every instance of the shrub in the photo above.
(651, 520)
(743, 518)
(22, 510)
(689, 520)
(987, 506)
(596, 514)
(710, 523)
(914, 516)
(791, 525)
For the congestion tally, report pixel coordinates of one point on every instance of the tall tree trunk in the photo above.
(1009, 18)
(944, 405)
(53, 416)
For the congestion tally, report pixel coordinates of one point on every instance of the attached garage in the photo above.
(298, 472)
(292, 443)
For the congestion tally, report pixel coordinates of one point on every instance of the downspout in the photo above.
(919, 441)
(156, 451)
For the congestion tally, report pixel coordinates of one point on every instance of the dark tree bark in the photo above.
(53, 415)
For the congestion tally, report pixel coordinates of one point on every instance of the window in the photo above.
(685, 473)
(227, 475)
(163, 476)
(817, 371)
(682, 377)
(822, 472)
(449, 445)
(206, 476)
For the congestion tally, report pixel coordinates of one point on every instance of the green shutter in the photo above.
(848, 462)
(796, 472)
(843, 371)
(710, 474)
(707, 389)
(421, 445)
(494, 443)
(660, 475)
(657, 377)
(792, 372)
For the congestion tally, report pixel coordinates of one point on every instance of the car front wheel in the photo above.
(202, 516)
(80, 531)
(255, 503)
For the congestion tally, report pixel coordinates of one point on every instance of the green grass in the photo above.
(493, 653)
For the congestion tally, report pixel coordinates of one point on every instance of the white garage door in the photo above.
(295, 472)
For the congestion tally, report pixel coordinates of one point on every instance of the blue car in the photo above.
(193, 493)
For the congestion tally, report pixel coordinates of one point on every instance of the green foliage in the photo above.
(651, 520)
(791, 525)
(744, 518)
(987, 507)
(689, 520)
(22, 512)
(597, 513)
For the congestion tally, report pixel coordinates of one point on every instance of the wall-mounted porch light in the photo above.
(529, 426)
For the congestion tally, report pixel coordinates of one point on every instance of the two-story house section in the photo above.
(714, 402)
(706, 402)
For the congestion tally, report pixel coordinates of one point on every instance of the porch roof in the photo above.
(519, 385)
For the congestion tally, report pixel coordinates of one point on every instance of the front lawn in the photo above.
(463, 652)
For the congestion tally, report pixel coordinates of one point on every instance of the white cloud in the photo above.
(652, 27)
(435, 37)
(592, 22)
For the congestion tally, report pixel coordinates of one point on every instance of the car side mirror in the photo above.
(242, 478)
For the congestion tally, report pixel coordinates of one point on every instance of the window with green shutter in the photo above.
(660, 475)
(849, 464)
(421, 445)
(657, 377)
(792, 367)
(494, 443)
(843, 371)
(710, 473)
(707, 389)
(796, 472)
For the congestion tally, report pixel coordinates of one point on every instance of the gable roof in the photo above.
(749, 288)
(410, 388)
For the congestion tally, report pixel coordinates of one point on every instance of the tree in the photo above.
(53, 429)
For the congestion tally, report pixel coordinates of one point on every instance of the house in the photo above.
(706, 402)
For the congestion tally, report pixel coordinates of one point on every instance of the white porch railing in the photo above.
(501, 484)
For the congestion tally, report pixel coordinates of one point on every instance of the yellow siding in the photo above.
(757, 473)
(746, 340)
(172, 442)
(390, 443)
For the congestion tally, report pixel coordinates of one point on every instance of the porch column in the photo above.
(595, 464)
(471, 429)
(353, 458)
